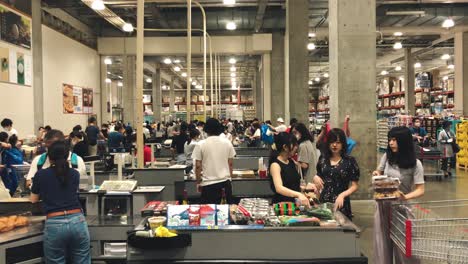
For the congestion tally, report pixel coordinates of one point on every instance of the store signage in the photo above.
(77, 100)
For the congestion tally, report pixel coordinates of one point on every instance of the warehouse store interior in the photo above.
(274, 131)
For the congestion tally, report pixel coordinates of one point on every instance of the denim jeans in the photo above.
(66, 240)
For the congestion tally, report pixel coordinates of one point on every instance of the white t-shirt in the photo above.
(281, 128)
(32, 171)
(214, 153)
(257, 133)
(11, 132)
(146, 132)
(230, 127)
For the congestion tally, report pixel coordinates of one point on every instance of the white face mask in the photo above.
(298, 137)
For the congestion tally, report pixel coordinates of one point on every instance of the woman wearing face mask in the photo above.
(337, 173)
(285, 179)
(398, 162)
(307, 153)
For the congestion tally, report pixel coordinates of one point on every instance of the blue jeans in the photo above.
(67, 238)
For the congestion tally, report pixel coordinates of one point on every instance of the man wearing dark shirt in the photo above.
(93, 133)
(178, 143)
(116, 139)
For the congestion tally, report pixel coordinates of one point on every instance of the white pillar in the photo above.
(266, 81)
(461, 72)
(38, 90)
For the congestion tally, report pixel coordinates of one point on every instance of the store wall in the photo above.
(17, 101)
(67, 61)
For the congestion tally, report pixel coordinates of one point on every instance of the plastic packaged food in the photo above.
(385, 187)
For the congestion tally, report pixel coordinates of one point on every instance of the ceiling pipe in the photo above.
(407, 31)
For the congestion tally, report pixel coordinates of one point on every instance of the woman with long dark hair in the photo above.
(398, 162)
(444, 142)
(178, 143)
(307, 153)
(66, 235)
(189, 147)
(337, 173)
(284, 176)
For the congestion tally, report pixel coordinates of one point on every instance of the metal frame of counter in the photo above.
(22, 245)
(243, 151)
(284, 244)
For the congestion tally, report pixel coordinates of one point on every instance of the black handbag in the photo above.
(455, 146)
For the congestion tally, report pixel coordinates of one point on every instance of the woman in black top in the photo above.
(337, 173)
(66, 235)
(80, 147)
(178, 144)
(284, 176)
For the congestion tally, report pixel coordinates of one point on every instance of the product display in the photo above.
(385, 187)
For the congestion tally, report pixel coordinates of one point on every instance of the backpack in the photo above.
(43, 158)
(264, 135)
(12, 157)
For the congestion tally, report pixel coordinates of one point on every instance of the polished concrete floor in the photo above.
(452, 188)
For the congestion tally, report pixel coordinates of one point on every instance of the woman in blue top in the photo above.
(66, 235)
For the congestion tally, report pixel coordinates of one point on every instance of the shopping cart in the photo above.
(436, 231)
(432, 154)
(21, 173)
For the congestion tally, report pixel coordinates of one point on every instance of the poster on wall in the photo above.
(20, 67)
(13, 67)
(77, 100)
(5, 67)
(27, 70)
(15, 28)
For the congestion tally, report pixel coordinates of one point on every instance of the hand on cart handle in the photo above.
(376, 173)
(318, 182)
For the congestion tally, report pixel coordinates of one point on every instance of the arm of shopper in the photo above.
(198, 171)
(35, 190)
(303, 156)
(275, 171)
(339, 202)
(5, 145)
(381, 168)
(230, 162)
(418, 192)
(346, 126)
(272, 128)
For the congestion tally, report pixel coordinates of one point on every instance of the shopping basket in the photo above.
(21, 173)
(436, 231)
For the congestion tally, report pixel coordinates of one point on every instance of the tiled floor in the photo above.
(447, 189)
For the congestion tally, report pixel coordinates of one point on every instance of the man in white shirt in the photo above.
(214, 156)
(280, 128)
(7, 126)
(51, 137)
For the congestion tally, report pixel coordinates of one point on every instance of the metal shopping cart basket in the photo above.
(433, 154)
(436, 231)
(21, 173)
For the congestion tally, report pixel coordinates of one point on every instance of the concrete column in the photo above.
(38, 90)
(409, 83)
(105, 93)
(128, 90)
(266, 84)
(353, 78)
(157, 94)
(297, 29)
(258, 94)
(277, 76)
(461, 73)
(172, 96)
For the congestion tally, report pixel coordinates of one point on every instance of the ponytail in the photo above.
(58, 155)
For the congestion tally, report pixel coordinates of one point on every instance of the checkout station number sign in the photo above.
(77, 100)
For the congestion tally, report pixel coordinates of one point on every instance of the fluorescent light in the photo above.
(109, 73)
(98, 5)
(398, 68)
(127, 27)
(402, 78)
(108, 80)
(326, 75)
(384, 72)
(233, 74)
(148, 80)
(398, 34)
(233, 69)
(397, 45)
(405, 13)
(184, 74)
(120, 84)
(311, 46)
(417, 65)
(231, 25)
(194, 83)
(229, 2)
(232, 61)
(312, 35)
(167, 61)
(310, 82)
(177, 68)
(107, 61)
(448, 23)
(445, 78)
(451, 66)
(176, 61)
(191, 79)
(445, 57)
(120, 77)
(317, 79)
(199, 86)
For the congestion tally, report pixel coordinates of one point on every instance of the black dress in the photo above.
(336, 179)
(291, 180)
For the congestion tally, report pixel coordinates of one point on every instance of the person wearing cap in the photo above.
(280, 128)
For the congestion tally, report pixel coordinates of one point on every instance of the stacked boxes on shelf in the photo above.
(382, 132)
(249, 113)
(431, 125)
(462, 140)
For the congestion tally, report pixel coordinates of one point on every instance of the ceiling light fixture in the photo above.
(127, 27)
(98, 5)
(233, 74)
(326, 75)
(310, 82)
(148, 80)
(311, 46)
(451, 66)
(405, 13)
(317, 79)
(397, 45)
(231, 25)
(448, 23)
(199, 86)
(184, 74)
(232, 61)
(417, 65)
(445, 57)
(177, 68)
(398, 68)
(177, 61)
(233, 69)
(384, 72)
(108, 80)
(107, 61)
(446, 78)
(194, 83)
(229, 2)
(312, 35)
(398, 34)
(120, 84)
(167, 61)
(120, 77)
